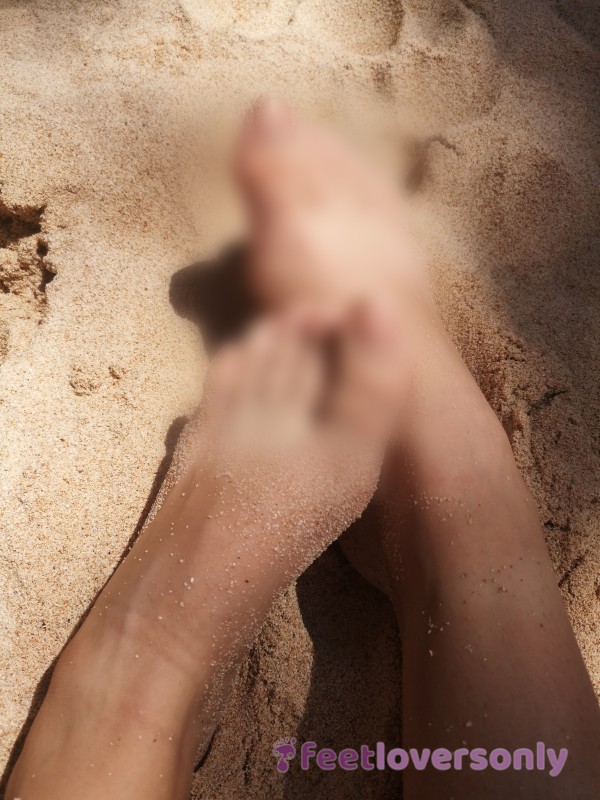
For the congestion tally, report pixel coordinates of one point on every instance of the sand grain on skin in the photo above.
(96, 111)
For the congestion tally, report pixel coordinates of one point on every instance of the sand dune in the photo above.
(110, 185)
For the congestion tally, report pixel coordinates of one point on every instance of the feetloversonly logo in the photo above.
(539, 758)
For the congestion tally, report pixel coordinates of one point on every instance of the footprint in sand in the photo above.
(25, 269)
(352, 25)
(366, 28)
(252, 18)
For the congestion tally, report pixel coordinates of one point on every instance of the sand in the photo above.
(114, 118)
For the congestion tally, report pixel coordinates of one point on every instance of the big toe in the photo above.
(264, 138)
(269, 117)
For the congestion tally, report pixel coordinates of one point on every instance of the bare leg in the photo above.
(490, 657)
(268, 486)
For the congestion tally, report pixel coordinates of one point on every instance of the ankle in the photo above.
(128, 671)
(446, 417)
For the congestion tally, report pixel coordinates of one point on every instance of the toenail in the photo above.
(270, 115)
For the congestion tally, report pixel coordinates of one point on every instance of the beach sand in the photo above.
(114, 120)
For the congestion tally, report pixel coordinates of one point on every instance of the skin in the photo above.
(274, 469)
(490, 659)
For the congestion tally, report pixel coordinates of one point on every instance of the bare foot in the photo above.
(282, 465)
(276, 468)
(486, 636)
(325, 226)
(329, 227)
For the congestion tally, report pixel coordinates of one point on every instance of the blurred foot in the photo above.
(329, 227)
(278, 463)
(326, 226)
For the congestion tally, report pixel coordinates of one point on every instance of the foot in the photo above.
(466, 564)
(274, 468)
(328, 226)
(278, 468)
(325, 226)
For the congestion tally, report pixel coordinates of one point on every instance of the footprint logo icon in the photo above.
(284, 751)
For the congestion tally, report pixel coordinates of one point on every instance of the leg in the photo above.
(265, 487)
(491, 659)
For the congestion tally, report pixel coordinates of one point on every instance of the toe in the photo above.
(294, 376)
(259, 352)
(269, 118)
(279, 379)
(282, 165)
(285, 355)
(264, 138)
(221, 377)
(371, 376)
